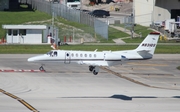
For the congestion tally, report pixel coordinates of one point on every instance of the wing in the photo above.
(101, 63)
(94, 63)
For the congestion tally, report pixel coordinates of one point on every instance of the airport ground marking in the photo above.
(20, 100)
(147, 64)
(132, 80)
(20, 70)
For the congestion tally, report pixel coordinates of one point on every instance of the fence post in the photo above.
(64, 38)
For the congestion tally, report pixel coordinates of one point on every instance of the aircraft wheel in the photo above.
(94, 72)
(91, 68)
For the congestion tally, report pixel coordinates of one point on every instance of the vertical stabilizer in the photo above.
(147, 47)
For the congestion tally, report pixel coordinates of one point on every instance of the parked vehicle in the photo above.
(100, 13)
(54, 1)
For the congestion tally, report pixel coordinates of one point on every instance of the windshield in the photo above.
(52, 53)
(49, 53)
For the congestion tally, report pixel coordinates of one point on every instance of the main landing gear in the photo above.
(41, 68)
(94, 69)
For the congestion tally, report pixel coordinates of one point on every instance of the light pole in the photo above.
(133, 20)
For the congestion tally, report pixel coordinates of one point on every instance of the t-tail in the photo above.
(147, 48)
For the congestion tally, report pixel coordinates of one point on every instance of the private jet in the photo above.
(95, 59)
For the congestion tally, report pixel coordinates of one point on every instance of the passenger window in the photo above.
(72, 54)
(94, 55)
(90, 55)
(81, 55)
(85, 55)
(76, 55)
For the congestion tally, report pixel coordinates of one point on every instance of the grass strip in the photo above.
(41, 49)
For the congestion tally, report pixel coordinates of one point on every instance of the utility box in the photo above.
(169, 26)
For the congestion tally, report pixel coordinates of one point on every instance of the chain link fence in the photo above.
(92, 25)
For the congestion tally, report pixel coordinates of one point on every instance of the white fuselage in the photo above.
(105, 58)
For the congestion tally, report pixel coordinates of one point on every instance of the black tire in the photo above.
(90, 69)
(95, 73)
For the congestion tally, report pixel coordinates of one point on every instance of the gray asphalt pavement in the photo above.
(67, 88)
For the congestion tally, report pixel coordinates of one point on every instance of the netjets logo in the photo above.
(148, 45)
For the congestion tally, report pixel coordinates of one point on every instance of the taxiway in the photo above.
(72, 88)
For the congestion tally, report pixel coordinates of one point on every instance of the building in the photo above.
(25, 34)
(148, 11)
(9, 4)
(4, 4)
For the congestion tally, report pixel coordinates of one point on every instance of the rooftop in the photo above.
(24, 27)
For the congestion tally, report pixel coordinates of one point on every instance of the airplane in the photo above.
(95, 59)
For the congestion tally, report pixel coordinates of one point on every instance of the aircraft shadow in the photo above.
(124, 97)
(176, 96)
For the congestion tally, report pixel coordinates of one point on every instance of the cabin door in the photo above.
(104, 56)
(67, 58)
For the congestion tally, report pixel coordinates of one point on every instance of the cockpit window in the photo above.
(49, 53)
(55, 53)
(52, 53)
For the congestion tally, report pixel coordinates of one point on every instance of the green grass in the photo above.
(22, 49)
(41, 49)
(138, 29)
(38, 49)
(142, 29)
(66, 29)
(114, 34)
(133, 40)
(168, 49)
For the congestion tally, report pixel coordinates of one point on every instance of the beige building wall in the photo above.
(143, 11)
(85, 2)
(148, 11)
(162, 9)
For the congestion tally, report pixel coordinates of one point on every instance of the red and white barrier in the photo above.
(4, 70)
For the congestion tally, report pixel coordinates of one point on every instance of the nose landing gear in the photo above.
(41, 68)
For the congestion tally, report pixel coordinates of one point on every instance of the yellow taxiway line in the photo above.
(147, 64)
(20, 100)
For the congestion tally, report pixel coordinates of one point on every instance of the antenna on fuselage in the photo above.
(95, 50)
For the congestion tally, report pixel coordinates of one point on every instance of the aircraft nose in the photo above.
(30, 59)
